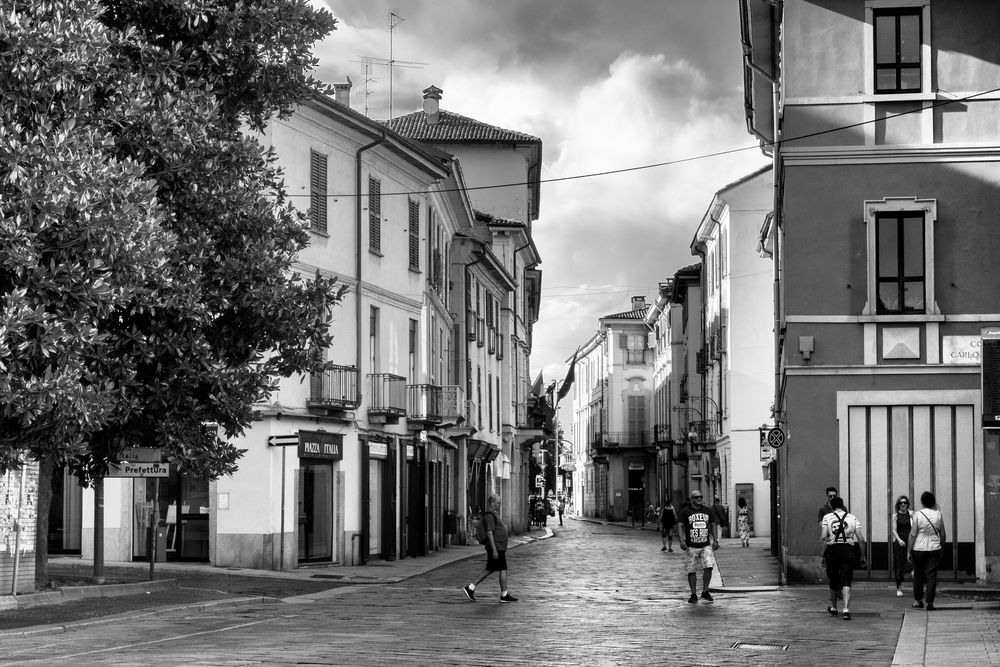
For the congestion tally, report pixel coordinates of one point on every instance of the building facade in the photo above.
(880, 116)
(736, 364)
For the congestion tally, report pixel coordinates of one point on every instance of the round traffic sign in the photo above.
(775, 437)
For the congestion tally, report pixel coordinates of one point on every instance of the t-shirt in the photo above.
(927, 525)
(696, 524)
(500, 536)
(721, 514)
(842, 527)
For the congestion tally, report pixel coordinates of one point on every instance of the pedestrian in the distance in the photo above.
(496, 550)
(561, 508)
(697, 538)
(927, 537)
(668, 519)
(743, 521)
(721, 517)
(831, 493)
(844, 548)
(901, 520)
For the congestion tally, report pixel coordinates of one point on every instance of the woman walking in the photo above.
(901, 520)
(743, 521)
(927, 536)
(668, 519)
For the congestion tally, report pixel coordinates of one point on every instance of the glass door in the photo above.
(315, 510)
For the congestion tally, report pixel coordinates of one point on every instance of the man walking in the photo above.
(831, 493)
(697, 539)
(496, 550)
(561, 508)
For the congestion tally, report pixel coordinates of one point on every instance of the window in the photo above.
(317, 191)
(373, 356)
(901, 256)
(414, 236)
(897, 35)
(374, 215)
(413, 351)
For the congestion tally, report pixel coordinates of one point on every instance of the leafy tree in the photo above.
(146, 282)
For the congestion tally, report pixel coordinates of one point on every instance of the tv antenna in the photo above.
(368, 61)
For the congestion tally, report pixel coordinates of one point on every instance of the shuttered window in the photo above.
(374, 214)
(317, 191)
(414, 235)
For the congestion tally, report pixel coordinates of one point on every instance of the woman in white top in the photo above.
(925, 546)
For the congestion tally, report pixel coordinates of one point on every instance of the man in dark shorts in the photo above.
(840, 531)
(697, 539)
(496, 550)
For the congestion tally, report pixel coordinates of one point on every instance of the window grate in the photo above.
(760, 647)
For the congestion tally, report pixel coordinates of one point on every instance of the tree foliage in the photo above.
(146, 244)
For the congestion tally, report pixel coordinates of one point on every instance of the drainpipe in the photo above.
(359, 209)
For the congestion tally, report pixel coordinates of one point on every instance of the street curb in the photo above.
(66, 627)
(70, 593)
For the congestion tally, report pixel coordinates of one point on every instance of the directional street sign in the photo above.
(767, 453)
(131, 469)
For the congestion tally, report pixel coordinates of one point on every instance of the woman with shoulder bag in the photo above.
(925, 545)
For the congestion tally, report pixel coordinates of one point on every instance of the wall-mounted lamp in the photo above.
(806, 346)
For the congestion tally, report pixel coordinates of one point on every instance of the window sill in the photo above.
(908, 319)
(318, 232)
(415, 271)
(372, 251)
(899, 97)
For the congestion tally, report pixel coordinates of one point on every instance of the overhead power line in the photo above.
(693, 158)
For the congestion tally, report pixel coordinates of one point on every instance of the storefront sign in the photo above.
(138, 469)
(321, 445)
(142, 454)
(961, 349)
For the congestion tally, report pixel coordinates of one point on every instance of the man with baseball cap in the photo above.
(698, 541)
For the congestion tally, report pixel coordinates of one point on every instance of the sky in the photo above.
(605, 86)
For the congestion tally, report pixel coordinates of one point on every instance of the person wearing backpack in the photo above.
(844, 542)
(493, 534)
(925, 545)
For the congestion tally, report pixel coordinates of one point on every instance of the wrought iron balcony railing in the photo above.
(453, 403)
(623, 439)
(335, 388)
(423, 403)
(702, 433)
(387, 395)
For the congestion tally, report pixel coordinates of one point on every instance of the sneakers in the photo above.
(930, 606)
(899, 593)
(663, 548)
(693, 598)
(847, 615)
(919, 604)
(508, 598)
(469, 593)
(670, 550)
(832, 611)
(707, 596)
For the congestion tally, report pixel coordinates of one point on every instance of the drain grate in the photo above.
(760, 647)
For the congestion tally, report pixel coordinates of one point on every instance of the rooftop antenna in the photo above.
(393, 22)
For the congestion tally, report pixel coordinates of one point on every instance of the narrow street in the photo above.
(592, 594)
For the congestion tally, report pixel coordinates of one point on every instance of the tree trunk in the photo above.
(44, 499)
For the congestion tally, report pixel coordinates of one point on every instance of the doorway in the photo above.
(315, 510)
(180, 505)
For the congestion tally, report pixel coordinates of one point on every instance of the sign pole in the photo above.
(99, 530)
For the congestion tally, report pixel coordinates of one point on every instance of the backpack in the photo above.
(481, 527)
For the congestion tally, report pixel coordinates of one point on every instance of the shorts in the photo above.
(699, 558)
(667, 530)
(840, 565)
(497, 564)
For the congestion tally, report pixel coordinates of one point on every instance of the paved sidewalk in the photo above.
(958, 632)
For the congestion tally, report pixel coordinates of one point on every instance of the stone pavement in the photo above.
(960, 632)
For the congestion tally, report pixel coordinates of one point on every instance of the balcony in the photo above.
(423, 403)
(453, 404)
(387, 396)
(471, 415)
(702, 434)
(336, 388)
(623, 440)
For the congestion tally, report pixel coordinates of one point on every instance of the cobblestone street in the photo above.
(591, 594)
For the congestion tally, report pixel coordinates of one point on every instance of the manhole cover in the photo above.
(327, 576)
(760, 647)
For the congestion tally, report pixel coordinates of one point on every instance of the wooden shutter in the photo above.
(317, 191)
(374, 214)
(414, 235)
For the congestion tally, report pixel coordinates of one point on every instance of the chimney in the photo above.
(432, 104)
(638, 303)
(342, 93)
